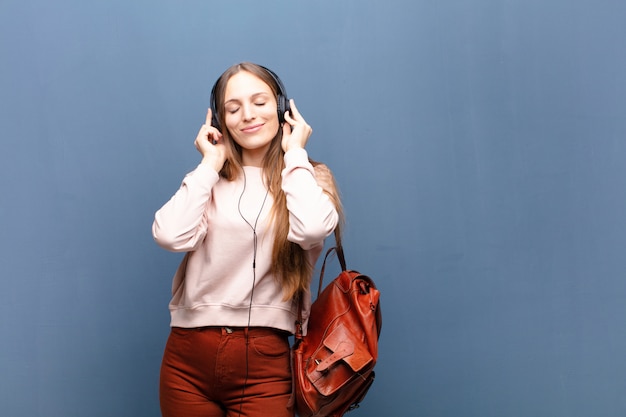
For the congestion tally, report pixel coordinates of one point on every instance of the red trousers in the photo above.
(226, 372)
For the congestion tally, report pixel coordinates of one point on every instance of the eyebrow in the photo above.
(253, 96)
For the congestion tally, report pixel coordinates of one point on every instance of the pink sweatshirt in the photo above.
(214, 283)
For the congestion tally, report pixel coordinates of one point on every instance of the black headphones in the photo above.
(282, 100)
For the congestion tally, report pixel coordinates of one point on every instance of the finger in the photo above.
(204, 131)
(214, 135)
(209, 117)
(210, 133)
(289, 119)
(294, 109)
(287, 128)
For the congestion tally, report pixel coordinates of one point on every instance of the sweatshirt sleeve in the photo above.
(181, 224)
(312, 214)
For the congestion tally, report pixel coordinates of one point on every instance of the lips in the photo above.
(253, 128)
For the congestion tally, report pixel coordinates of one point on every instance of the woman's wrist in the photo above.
(211, 162)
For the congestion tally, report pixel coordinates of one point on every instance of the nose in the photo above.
(248, 112)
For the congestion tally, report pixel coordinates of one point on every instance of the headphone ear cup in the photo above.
(214, 121)
(283, 106)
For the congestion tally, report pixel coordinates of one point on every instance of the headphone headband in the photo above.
(281, 100)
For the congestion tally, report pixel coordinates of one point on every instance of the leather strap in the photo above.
(338, 249)
(342, 350)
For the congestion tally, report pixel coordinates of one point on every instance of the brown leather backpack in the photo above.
(333, 365)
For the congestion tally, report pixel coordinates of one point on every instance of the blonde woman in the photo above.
(252, 218)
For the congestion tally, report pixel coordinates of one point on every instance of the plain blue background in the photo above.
(479, 145)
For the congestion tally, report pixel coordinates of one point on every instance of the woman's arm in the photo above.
(325, 179)
(181, 224)
(312, 214)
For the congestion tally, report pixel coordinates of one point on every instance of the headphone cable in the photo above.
(254, 253)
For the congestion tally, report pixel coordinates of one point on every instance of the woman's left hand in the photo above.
(296, 131)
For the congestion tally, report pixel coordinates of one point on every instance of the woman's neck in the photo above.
(253, 157)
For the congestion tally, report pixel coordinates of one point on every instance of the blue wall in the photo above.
(480, 147)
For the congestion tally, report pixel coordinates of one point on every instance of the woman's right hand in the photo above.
(209, 143)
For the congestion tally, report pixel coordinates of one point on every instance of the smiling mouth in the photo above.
(252, 128)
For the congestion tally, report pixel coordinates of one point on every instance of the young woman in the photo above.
(252, 218)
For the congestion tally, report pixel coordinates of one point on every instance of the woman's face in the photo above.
(250, 115)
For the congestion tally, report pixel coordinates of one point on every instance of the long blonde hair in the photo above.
(290, 264)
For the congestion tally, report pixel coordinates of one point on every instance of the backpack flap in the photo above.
(340, 360)
(346, 347)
